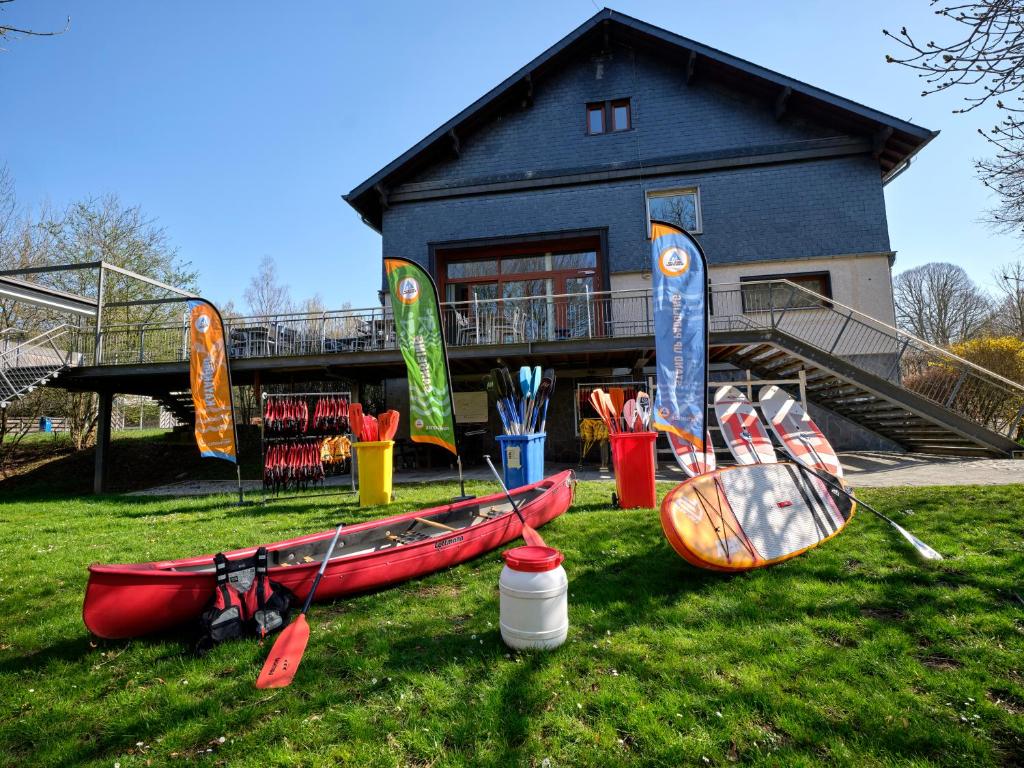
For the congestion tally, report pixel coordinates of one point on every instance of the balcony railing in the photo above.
(825, 324)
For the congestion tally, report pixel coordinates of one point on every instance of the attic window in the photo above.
(608, 116)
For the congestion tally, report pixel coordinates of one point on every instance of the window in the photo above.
(482, 282)
(609, 116)
(759, 295)
(675, 206)
(620, 115)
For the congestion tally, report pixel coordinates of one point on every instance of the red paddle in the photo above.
(283, 662)
(530, 535)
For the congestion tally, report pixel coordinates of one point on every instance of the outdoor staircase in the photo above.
(35, 362)
(179, 404)
(920, 396)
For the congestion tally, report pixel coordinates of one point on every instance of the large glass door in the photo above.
(519, 291)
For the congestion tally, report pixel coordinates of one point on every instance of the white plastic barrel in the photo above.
(534, 598)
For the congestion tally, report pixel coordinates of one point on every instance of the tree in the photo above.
(987, 64)
(266, 294)
(1008, 314)
(940, 303)
(7, 30)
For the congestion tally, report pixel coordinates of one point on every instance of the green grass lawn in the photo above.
(854, 654)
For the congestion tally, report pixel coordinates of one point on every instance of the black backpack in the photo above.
(245, 602)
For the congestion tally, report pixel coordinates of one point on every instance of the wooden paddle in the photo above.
(435, 524)
(283, 662)
(618, 398)
(530, 535)
(612, 411)
(597, 401)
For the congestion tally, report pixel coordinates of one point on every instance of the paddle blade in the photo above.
(549, 374)
(286, 655)
(535, 382)
(922, 549)
(531, 537)
(525, 380)
(629, 414)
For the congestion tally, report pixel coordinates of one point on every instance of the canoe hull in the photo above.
(123, 601)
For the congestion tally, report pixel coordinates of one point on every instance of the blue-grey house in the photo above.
(620, 120)
(531, 207)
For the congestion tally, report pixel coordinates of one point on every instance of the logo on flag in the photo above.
(408, 290)
(673, 261)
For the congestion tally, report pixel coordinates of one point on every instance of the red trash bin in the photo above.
(634, 464)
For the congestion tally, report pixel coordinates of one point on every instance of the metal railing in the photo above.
(825, 324)
(934, 373)
(35, 361)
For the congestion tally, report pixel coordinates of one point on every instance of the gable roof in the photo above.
(894, 140)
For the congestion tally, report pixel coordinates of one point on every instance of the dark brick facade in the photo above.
(769, 211)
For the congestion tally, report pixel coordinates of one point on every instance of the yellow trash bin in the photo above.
(375, 461)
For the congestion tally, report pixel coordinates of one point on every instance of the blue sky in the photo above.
(240, 125)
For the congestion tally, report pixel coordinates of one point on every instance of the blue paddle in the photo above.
(525, 385)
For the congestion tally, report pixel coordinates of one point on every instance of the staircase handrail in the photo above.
(830, 304)
(48, 335)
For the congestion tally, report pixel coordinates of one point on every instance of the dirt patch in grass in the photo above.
(883, 613)
(940, 662)
(1006, 701)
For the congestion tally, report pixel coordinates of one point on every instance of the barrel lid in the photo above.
(533, 559)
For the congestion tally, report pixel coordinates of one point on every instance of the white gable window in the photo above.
(675, 206)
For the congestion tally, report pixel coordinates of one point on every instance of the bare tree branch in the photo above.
(986, 63)
(7, 29)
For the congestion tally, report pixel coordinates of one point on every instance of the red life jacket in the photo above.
(245, 601)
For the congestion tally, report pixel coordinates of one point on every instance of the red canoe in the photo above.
(131, 600)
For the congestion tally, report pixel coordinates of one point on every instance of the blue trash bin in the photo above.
(45, 424)
(522, 459)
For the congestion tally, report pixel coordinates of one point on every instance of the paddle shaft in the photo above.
(323, 567)
(530, 536)
(923, 549)
(507, 494)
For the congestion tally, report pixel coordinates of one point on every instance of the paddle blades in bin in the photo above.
(355, 419)
(632, 415)
(388, 424)
(522, 407)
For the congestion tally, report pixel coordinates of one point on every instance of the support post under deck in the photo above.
(106, 405)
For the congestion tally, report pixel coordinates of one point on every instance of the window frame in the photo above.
(600, 108)
(611, 114)
(824, 274)
(607, 111)
(671, 192)
(517, 248)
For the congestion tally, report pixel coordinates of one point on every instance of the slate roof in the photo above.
(894, 140)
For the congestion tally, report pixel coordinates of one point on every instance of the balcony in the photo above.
(740, 314)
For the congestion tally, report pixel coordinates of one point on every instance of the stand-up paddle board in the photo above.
(739, 518)
(690, 460)
(744, 434)
(797, 431)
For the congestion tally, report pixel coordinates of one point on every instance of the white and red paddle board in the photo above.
(690, 460)
(741, 427)
(797, 431)
(738, 518)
